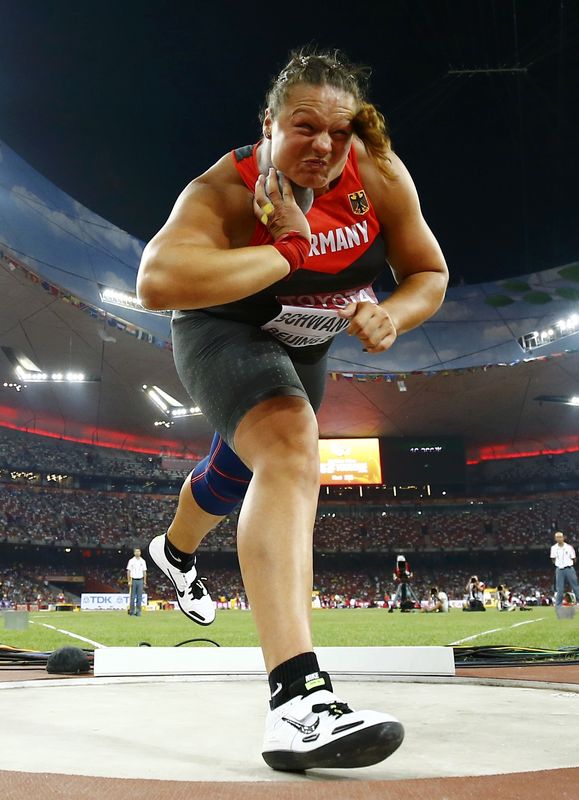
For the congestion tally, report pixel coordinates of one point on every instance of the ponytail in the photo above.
(371, 128)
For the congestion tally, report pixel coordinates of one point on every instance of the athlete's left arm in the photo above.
(414, 256)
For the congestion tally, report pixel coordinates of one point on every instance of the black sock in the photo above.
(177, 558)
(292, 671)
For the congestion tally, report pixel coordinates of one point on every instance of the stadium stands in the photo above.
(73, 506)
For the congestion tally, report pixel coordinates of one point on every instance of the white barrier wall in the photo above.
(107, 601)
(113, 661)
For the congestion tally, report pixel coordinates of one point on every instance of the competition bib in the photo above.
(306, 320)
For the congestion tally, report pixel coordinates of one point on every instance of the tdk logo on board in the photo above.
(106, 601)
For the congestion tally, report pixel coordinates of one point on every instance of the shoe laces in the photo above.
(197, 589)
(183, 579)
(334, 709)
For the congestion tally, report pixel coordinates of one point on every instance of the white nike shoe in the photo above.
(316, 729)
(192, 596)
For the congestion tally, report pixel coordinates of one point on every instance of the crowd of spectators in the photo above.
(38, 512)
(27, 452)
(553, 470)
(452, 529)
(88, 518)
(19, 584)
(79, 517)
(23, 452)
(376, 530)
(518, 525)
(335, 588)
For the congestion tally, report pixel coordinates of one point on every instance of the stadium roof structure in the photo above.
(463, 372)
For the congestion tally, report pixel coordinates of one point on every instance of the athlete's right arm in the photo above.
(198, 260)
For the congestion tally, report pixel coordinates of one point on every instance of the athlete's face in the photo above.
(312, 135)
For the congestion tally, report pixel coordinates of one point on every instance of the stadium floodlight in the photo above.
(123, 299)
(70, 377)
(55, 377)
(192, 411)
(28, 372)
(168, 404)
(31, 376)
(556, 398)
(24, 367)
(559, 330)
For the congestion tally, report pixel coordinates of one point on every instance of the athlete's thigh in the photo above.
(229, 367)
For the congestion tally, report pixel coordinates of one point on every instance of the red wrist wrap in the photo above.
(295, 248)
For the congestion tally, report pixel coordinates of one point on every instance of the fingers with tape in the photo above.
(267, 210)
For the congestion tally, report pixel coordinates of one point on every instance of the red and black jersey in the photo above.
(347, 249)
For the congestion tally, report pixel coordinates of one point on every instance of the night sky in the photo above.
(122, 103)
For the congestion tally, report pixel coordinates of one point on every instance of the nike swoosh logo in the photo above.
(300, 726)
(278, 690)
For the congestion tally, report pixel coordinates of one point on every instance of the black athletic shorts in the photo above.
(228, 367)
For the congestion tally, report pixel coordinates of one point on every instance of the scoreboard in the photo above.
(423, 460)
(350, 462)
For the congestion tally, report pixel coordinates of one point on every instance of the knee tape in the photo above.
(220, 481)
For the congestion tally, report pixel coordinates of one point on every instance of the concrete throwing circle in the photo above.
(211, 730)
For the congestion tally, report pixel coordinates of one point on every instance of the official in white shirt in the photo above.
(137, 578)
(564, 558)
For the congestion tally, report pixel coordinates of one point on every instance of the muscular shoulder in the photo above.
(221, 186)
(216, 206)
(392, 195)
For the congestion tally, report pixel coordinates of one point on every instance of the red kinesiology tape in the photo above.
(294, 247)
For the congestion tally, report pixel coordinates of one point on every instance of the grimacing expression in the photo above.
(312, 134)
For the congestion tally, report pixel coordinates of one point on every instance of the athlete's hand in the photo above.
(372, 324)
(276, 208)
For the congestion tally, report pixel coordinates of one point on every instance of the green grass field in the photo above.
(337, 627)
